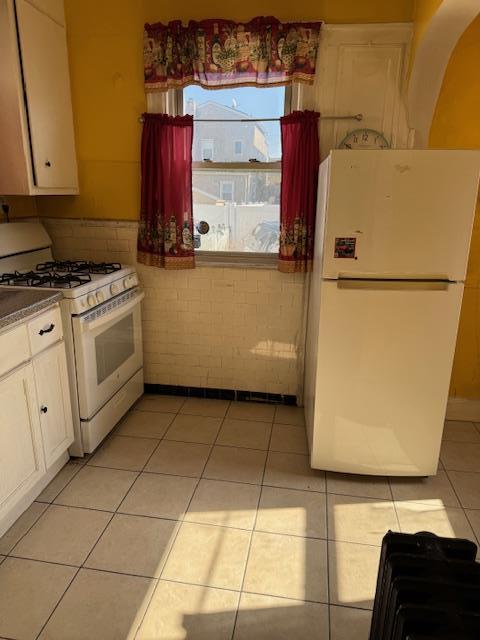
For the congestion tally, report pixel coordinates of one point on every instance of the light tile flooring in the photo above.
(201, 519)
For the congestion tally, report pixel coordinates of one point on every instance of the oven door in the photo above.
(108, 350)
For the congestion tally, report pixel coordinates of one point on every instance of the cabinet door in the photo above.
(21, 456)
(43, 48)
(53, 398)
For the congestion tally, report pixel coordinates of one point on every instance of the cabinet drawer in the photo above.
(14, 348)
(45, 330)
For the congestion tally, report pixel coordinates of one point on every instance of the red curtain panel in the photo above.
(165, 234)
(298, 198)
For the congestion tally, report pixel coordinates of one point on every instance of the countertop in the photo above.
(19, 303)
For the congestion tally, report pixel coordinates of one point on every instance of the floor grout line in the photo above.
(394, 505)
(328, 559)
(60, 600)
(86, 558)
(464, 509)
(28, 530)
(64, 487)
(252, 534)
(172, 542)
(181, 520)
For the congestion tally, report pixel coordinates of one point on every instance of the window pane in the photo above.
(242, 209)
(259, 140)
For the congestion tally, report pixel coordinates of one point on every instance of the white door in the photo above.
(21, 456)
(404, 213)
(385, 354)
(44, 55)
(53, 401)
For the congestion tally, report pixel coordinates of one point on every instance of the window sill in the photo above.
(236, 259)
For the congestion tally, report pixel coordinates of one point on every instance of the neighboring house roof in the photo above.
(223, 107)
(228, 111)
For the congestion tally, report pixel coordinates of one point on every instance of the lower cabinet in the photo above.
(53, 401)
(36, 426)
(21, 456)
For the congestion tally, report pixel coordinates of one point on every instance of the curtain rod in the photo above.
(357, 116)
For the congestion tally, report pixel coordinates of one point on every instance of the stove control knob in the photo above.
(100, 297)
(91, 300)
(114, 289)
(128, 282)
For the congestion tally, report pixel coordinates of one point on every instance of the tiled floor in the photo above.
(201, 519)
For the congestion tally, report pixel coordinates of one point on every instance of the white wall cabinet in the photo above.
(53, 401)
(36, 426)
(36, 126)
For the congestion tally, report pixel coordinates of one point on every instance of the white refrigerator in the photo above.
(392, 242)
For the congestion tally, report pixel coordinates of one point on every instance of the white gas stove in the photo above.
(102, 326)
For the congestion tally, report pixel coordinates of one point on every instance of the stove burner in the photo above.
(79, 266)
(45, 279)
(68, 280)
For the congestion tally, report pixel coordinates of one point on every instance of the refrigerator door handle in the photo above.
(394, 285)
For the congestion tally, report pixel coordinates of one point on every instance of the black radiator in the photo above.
(428, 588)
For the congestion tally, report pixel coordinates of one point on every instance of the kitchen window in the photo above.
(236, 169)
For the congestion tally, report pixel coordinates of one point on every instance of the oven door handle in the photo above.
(107, 318)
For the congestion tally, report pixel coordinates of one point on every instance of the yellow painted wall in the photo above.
(21, 206)
(456, 125)
(105, 49)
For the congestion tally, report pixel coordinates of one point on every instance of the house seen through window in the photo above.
(236, 166)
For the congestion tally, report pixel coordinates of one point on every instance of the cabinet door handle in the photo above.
(48, 163)
(50, 328)
(44, 409)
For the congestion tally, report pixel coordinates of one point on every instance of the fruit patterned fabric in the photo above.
(222, 53)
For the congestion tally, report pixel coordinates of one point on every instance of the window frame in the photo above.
(236, 258)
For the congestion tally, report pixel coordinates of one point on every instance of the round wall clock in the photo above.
(364, 139)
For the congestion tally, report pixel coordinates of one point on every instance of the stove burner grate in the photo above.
(79, 266)
(45, 279)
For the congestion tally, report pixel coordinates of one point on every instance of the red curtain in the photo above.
(165, 234)
(298, 199)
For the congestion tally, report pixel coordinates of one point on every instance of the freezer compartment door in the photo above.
(385, 353)
(406, 213)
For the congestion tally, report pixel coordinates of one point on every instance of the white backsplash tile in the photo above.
(220, 327)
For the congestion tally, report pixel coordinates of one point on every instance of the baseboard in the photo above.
(220, 394)
(467, 409)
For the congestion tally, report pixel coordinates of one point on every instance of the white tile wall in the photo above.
(233, 328)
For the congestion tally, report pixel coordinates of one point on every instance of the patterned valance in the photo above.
(222, 53)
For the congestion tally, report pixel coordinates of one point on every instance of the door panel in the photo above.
(383, 372)
(410, 212)
(21, 458)
(51, 379)
(45, 67)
